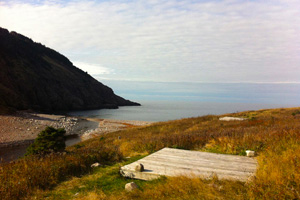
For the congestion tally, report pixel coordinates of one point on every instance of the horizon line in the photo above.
(211, 82)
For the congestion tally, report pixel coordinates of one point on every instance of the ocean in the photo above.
(171, 110)
(170, 101)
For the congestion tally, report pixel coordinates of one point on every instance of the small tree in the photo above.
(48, 140)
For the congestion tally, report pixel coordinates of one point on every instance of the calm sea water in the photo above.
(170, 110)
(169, 101)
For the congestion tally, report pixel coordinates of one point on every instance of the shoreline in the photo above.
(111, 125)
(18, 131)
(22, 128)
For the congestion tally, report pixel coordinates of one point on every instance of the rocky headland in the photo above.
(38, 78)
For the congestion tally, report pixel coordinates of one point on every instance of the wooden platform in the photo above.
(177, 162)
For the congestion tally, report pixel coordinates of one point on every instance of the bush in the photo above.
(48, 140)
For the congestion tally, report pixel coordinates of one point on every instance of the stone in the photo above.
(131, 186)
(231, 119)
(95, 165)
(139, 167)
(250, 153)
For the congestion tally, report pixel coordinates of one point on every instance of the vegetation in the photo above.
(35, 77)
(106, 183)
(22, 178)
(273, 134)
(48, 141)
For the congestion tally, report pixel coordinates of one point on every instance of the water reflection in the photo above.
(12, 153)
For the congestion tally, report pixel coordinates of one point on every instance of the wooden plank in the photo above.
(169, 169)
(153, 164)
(183, 153)
(176, 162)
(202, 162)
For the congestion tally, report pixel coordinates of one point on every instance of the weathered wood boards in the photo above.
(176, 162)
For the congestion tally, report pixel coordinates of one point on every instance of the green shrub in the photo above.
(297, 112)
(48, 140)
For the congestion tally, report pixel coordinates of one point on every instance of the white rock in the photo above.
(250, 153)
(88, 134)
(96, 165)
(139, 167)
(231, 119)
(131, 186)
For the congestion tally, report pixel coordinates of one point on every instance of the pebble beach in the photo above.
(23, 126)
(19, 130)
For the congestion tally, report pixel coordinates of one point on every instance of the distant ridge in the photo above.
(35, 77)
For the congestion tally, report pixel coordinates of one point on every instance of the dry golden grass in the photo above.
(273, 134)
(21, 178)
(107, 183)
(186, 188)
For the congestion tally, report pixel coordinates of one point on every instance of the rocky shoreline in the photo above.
(18, 131)
(23, 127)
(111, 125)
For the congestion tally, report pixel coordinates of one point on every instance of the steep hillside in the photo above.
(35, 77)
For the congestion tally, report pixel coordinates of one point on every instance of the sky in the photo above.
(230, 41)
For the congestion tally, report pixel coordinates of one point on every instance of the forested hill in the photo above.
(35, 77)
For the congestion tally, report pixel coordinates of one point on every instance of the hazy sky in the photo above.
(167, 40)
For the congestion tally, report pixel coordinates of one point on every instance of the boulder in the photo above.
(95, 165)
(139, 167)
(250, 153)
(231, 119)
(131, 186)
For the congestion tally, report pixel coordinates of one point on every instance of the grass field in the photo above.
(274, 134)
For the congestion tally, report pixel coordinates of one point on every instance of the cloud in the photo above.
(168, 40)
(93, 69)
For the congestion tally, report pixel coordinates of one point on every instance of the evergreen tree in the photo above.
(48, 140)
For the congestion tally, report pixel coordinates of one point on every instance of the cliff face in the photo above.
(35, 77)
